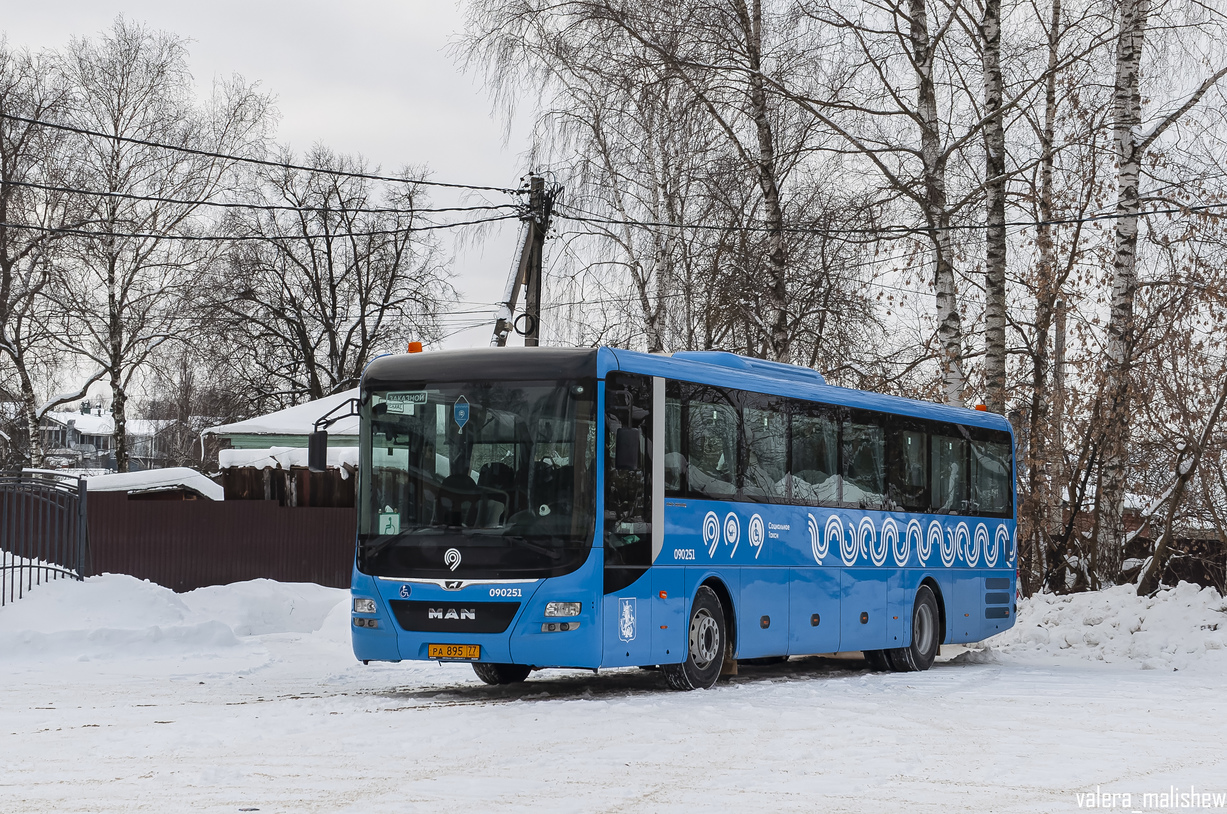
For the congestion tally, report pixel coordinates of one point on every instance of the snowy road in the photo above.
(199, 710)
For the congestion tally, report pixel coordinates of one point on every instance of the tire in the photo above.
(501, 673)
(926, 632)
(707, 641)
(877, 660)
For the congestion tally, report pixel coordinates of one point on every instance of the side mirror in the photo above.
(317, 451)
(626, 448)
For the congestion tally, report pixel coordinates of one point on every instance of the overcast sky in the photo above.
(366, 76)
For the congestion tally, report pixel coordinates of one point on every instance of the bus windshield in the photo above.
(477, 480)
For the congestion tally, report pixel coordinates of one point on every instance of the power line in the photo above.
(889, 230)
(246, 238)
(258, 161)
(261, 207)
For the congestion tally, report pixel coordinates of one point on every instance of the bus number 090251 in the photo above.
(505, 592)
(683, 553)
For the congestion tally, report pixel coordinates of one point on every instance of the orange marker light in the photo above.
(415, 347)
(982, 408)
(664, 595)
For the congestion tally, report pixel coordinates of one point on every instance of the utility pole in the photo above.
(527, 273)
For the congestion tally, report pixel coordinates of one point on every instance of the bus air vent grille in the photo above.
(451, 616)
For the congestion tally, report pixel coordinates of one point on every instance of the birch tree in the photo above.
(34, 174)
(1133, 142)
(994, 204)
(131, 85)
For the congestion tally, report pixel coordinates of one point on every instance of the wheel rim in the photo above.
(923, 628)
(704, 638)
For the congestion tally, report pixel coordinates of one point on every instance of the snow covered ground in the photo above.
(120, 696)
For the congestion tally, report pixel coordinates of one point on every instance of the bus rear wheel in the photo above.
(706, 643)
(920, 653)
(877, 660)
(501, 673)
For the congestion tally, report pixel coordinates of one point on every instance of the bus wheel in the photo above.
(877, 660)
(501, 673)
(707, 641)
(923, 649)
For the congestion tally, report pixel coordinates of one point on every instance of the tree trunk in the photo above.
(936, 211)
(1044, 453)
(778, 344)
(1127, 118)
(1057, 549)
(29, 409)
(119, 408)
(995, 182)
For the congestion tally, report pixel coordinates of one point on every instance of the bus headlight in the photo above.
(562, 608)
(364, 606)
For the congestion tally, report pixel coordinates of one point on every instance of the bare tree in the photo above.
(34, 174)
(134, 273)
(1069, 166)
(326, 277)
(1133, 142)
(995, 179)
(684, 144)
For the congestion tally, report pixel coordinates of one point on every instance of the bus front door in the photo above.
(628, 531)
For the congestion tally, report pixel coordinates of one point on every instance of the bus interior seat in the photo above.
(457, 501)
(497, 481)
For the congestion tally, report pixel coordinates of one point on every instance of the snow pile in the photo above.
(117, 616)
(1179, 628)
(262, 606)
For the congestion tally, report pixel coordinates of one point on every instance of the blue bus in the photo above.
(596, 508)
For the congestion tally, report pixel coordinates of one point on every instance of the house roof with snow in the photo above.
(291, 426)
(156, 480)
(103, 425)
(85, 423)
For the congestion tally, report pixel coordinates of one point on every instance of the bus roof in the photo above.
(772, 378)
(703, 367)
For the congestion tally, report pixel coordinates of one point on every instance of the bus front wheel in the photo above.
(501, 673)
(706, 642)
(920, 653)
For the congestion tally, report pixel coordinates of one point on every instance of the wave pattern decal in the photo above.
(847, 545)
(819, 544)
(788, 535)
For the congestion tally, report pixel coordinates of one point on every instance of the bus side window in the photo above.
(814, 473)
(766, 430)
(675, 460)
(990, 478)
(948, 460)
(711, 444)
(907, 474)
(864, 464)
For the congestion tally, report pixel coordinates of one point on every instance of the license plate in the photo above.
(467, 652)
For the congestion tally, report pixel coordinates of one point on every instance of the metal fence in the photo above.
(43, 531)
(189, 544)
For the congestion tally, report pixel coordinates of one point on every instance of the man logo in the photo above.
(452, 584)
(451, 613)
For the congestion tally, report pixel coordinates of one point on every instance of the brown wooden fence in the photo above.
(189, 544)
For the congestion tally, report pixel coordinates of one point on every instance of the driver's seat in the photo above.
(458, 501)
